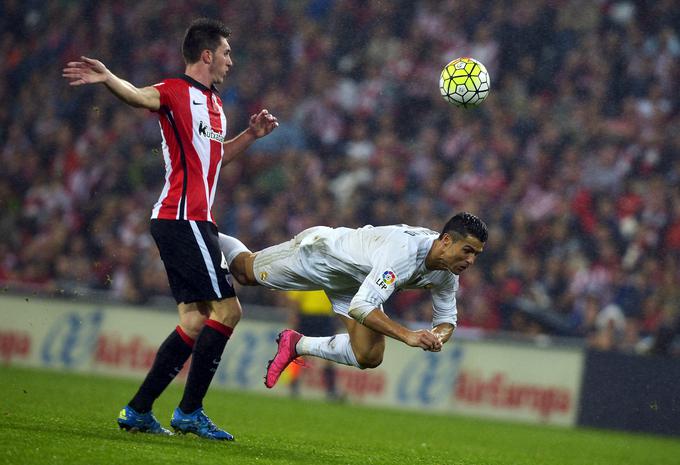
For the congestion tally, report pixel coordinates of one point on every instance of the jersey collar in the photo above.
(198, 85)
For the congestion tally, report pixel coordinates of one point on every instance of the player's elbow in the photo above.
(359, 310)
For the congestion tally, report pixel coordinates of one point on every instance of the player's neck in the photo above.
(431, 257)
(200, 74)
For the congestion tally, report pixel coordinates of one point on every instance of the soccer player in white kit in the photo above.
(359, 269)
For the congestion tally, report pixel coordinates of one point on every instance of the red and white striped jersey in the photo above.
(194, 127)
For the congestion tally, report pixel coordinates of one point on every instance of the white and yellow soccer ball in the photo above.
(464, 82)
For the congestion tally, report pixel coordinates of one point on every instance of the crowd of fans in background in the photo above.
(573, 161)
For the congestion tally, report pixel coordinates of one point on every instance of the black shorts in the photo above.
(197, 270)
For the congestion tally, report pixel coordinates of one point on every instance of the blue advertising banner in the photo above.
(631, 392)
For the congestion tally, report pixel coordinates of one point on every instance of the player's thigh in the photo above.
(193, 260)
(281, 267)
(368, 345)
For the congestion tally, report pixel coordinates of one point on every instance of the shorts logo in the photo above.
(387, 278)
(263, 276)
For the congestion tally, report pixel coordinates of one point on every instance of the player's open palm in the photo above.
(425, 340)
(87, 71)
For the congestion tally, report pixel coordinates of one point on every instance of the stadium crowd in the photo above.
(573, 161)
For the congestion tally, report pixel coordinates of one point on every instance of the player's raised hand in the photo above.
(424, 339)
(262, 123)
(86, 71)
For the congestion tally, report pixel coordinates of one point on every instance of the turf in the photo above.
(53, 418)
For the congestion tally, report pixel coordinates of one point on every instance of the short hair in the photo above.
(466, 224)
(203, 34)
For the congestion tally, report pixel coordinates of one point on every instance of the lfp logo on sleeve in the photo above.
(387, 279)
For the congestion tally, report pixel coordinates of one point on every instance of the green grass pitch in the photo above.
(62, 418)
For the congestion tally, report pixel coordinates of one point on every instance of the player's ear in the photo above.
(207, 56)
(447, 239)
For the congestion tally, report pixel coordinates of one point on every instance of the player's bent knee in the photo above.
(241, 278)
(192, 323)
(239, 269)
(369, 360)
(227, 311)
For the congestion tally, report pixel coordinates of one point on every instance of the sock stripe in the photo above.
(217, 326)
(185, 337)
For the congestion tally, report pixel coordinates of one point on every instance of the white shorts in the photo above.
(294, 265)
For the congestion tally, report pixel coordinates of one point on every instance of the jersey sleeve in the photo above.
(378, 286)
(444, 309)
(393, 265)
(166, 91)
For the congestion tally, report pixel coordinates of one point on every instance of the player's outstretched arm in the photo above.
(378, 321)
(259, 125)
(90, 71)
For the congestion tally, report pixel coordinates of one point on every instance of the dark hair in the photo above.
(466, 224)
(202, 34)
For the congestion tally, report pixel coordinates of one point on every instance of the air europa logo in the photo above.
(205, 131)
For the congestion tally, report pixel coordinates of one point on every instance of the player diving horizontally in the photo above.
(359, 269)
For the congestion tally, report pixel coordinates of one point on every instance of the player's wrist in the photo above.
(108, 76)
(251, 133)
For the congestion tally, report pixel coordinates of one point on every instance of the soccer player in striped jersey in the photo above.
(359, 269)
(195, 146)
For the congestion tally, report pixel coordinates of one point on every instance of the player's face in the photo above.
(221, 62)
(458, 255)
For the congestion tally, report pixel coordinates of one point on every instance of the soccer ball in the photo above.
(464, 82)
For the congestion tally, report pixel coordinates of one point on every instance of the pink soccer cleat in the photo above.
(285, 354)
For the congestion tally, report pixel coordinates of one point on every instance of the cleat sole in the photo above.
(128, 428)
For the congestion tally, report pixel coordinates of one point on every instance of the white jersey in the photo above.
(359, 266)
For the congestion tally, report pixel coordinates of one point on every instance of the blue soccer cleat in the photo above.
(130, 420)
(199, 424)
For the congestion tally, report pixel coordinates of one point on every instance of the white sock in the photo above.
(231, 247)
(335, 348)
